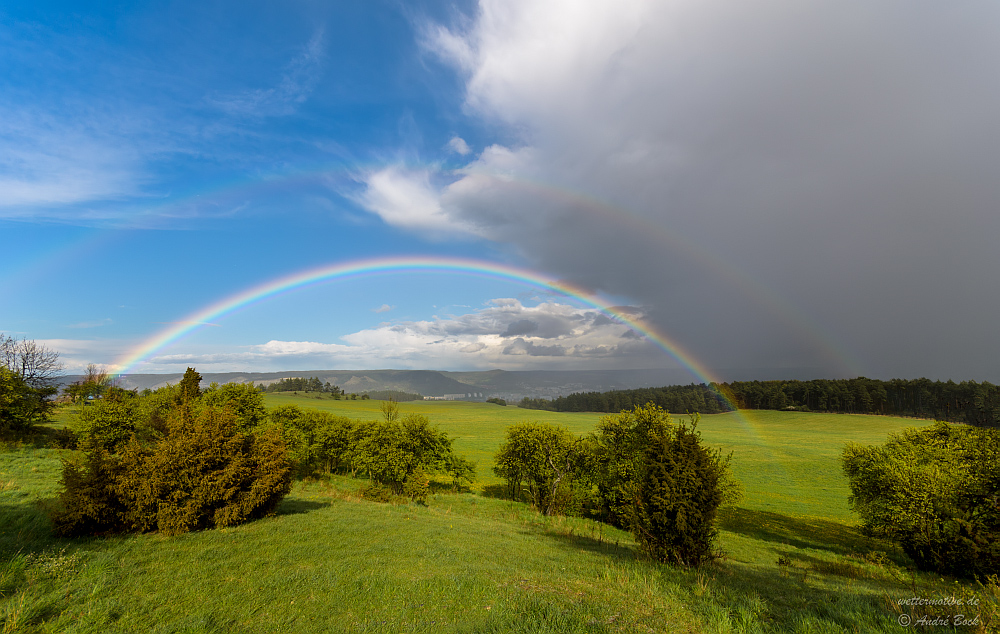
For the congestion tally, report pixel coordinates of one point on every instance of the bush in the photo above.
(203, 473)
(112, 420)
(936, 492)
(673, 519)
(615, 459)
(246, 402)
(89, 504)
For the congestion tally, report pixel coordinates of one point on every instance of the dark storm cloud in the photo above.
(785, 184)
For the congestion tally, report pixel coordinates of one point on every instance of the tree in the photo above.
(95, 381)
(37, 366)
(673, 520)
(616, 458)
(188, 388)
(541, 457)
(390, 410)
(28, 372)
(21, 406)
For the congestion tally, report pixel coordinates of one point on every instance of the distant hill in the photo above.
(509, 385)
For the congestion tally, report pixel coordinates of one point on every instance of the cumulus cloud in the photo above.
(780, 184)
(384, 308)
(477, 340)
(407, 198)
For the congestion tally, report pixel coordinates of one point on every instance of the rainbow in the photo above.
(358, 268)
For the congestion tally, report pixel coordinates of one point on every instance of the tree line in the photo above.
(966, 402)
(302, 384)
(704, 399)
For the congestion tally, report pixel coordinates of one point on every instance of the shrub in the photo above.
(112, 420)
(204, 472)
(416, 487)
(673, 519)
(89, 504)
(615, 459)
(936, 492)
(245, 401)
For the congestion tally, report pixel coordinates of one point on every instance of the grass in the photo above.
(329, 561)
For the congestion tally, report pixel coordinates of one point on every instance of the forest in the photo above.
(966, 402)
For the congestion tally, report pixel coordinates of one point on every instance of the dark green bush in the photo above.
(203, 472)
(673, 519)
(89, 504)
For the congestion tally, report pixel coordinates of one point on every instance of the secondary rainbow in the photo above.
(356, 268)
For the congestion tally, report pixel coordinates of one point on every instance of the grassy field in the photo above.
(332, 562)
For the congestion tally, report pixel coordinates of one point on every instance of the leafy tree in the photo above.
(28, 372)
(390, 410)
(673, 519)
(615, 458)
(392, 452)
(541, 458)
(460, 470)
(21, 406)
(935, 491)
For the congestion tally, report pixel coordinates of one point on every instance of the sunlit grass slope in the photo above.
(330, 561)
(787, 461)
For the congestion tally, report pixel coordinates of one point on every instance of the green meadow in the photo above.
(330, 561)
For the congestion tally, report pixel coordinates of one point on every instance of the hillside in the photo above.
(510, 385)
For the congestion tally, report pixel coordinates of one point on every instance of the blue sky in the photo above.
(742, 178)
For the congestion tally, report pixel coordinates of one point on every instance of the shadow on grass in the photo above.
(801, 532)
(812, 590)
(295, 506)
(582, 542)
(501, 492)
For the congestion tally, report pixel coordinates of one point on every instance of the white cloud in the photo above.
(384, 308)
(406, 198)
(458, 144)
(559, 337)
(47, 160)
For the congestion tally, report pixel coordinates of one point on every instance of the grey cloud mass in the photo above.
(520, 327)
(777, 183)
